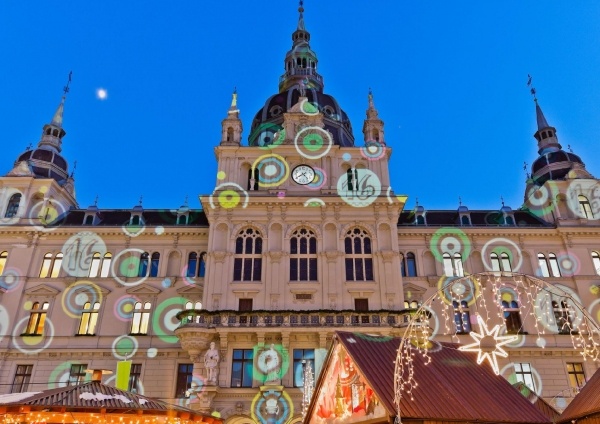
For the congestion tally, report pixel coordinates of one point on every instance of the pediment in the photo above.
(191, 290)
(96, 287)
(42, 290)
(143, 289)
(414, 289)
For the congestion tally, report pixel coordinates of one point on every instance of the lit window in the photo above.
(192, 305)
(13, 205)
(512, 317)
(303, 255)
(37, 318)
(453, 266)
(554, 268)
(301, 358)
(134, 378)
(359, 258)
(22, 378)
(100, 265)
(562, 317)
(56, 265)
(247, 265)
(462, 317)
(241, 367)
(584, 207)
(411, 305)
(89, 319)
(141, 318)
(77, 374)
(409, 265)
(543, 264)
(500, 263)
(3, 258)
(596, 261)
(524, 374)
(184, 379)
(576, 375)
(51, 265)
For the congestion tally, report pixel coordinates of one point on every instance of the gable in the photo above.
(191, 291)
(143, 289)
(43, 290)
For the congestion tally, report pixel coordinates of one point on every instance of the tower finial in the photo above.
(74, 168)
(459, 201)
(502, 200)
(185, 203)
(96, 201)
(141, 198)
(532, 88)
(301, 15)
(66, 87)
(234, 99)
(371, 105)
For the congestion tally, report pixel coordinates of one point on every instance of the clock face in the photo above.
(303, 174)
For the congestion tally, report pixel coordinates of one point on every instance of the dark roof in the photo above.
(543, 406)
(119, 217)
(490, 218)
(451, 388)
(586, 403)
(90, 396)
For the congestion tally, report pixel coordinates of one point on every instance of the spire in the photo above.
(373, 126)
(53, 132)
(300, 62)
(301, 17)
(57, 119)
(541, 119)
(545, 134)
(231, 126)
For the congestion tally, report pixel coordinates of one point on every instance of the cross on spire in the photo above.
(502, 200)
(66, 87)
(96, 201)
(532, 89)
(141, 198)
(459, 201)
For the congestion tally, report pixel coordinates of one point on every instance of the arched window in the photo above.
(505, 262)
(420, 220)
(512, 317)
(596, 261)
(409, 265)
(453, 266)
(375, 134)
(193, 305)
(141, 318)
(46, 265)
(247, 264)
(411, 305)
(192, 264)
(13, 205)
(359, 259)
(37, 318)
(3, 258)
(351, 179)
(89, 319)
(154, 264)
(562, 317)
(509, 220)
(462, 317)
(554, 268)
(106, 262)
(100, 265)
(202, 265)
(464, 220)
(303, 255)
(229, 134)
(495, 260)
(253, 179)
(543, 264)
(56, 264)
(181, 220)
(89, 220)
(500, 263)
(584, 207)
(143, 267)
(135, 220)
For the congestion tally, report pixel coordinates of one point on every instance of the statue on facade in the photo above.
(211, 363)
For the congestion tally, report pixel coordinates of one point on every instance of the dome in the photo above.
(554, 165)
(46, 163)
(269, 119)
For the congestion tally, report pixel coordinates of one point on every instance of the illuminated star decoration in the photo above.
(488, 344)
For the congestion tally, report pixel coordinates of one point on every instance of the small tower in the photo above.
(231, 134)
(301, 62)
(373, 126)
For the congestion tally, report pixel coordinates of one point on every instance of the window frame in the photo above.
(247, 262)
(596, 261)
(245, 374)
(24, 377)
(358, 251)
(77, 374)
(303, 265)
(184, 371)
(299, 356)
(523, 375)
(135, 375)
(12, 206)
(574, 375)
(3, 260)
(585, 208)
(511, 314)
(142, 315)
(88, 321)
(408, 267)
(37, 316)
(462, 317)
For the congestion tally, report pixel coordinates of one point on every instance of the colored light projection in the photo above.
(488, 305)
(356, 185)
(345, 396)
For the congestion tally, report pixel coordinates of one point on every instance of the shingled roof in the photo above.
(586, 403)
(451, 388)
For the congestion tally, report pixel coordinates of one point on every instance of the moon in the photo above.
(101, 93)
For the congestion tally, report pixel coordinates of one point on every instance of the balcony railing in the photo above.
(346, 318)
(301, 71)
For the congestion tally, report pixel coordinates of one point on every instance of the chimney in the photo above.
(97, 374)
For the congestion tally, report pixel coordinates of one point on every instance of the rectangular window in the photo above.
(141, 318)
(77, 374)
(245, 305)
(89, 319)
(361, 305)
(184, 379)
(241, 367)
(524, 374)
(37, 318)
(301, 357)
(576, 375)
(22, 378)
(134, 378)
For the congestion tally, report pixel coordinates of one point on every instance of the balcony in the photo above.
(198, 318)
(301, 71)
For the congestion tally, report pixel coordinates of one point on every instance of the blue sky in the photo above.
(449, 80)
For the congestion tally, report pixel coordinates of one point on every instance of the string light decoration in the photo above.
(488, 344)
(546, 309)
(307, 386)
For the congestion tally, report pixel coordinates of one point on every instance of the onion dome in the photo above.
(553, 162)
(46, 161)
(300, 77)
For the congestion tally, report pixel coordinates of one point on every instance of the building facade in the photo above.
(220, 308)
